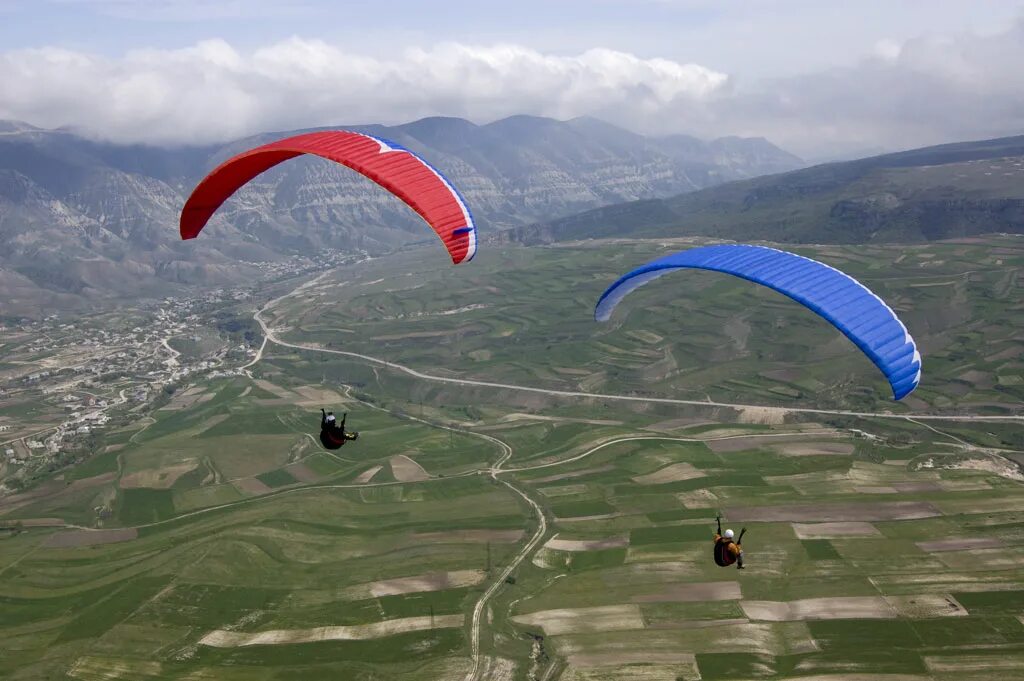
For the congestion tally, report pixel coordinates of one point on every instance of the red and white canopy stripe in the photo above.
(390, 165)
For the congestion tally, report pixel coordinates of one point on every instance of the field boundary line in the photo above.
(270, 336)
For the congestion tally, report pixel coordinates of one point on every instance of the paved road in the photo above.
(494, 471)
(269, 335)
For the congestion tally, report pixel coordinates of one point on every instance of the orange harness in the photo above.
(726, 551)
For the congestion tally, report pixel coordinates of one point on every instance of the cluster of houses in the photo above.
(91, 368)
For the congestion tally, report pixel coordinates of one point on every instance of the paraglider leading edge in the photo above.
(395, 168)
(847, 304)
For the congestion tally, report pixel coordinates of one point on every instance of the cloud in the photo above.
(928, 90)
(212, 92)
(922, 91)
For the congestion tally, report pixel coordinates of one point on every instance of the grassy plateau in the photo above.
(488, 532)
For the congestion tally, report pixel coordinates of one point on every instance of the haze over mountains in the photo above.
(940, 192)
(81, 219)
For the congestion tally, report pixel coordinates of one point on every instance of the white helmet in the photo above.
(729, 534)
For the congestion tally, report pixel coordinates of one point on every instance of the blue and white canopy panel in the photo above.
(846, 303)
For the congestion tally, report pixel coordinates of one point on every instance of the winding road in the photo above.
(269, 336)
(493, 471)
(496, 469)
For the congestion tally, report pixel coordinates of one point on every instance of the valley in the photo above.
(506, 514)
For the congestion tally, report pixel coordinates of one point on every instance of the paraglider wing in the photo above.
(843, 301)
(390, 165)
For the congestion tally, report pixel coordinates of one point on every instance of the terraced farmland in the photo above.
(480, 532)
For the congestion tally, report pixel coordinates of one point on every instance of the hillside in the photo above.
(81, 220)
(496, 527)
(947, 191)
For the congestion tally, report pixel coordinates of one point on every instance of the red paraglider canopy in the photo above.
(390, 165)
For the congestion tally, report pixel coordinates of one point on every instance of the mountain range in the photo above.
(81, 220)
(940, 192)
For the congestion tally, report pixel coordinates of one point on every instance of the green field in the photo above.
(220, 541)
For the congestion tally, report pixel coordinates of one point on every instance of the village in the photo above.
(67, 381)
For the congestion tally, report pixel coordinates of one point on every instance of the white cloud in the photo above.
(887, 49)
(923, 91)
(212, 92)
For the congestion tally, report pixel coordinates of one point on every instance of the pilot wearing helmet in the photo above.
(728, 551)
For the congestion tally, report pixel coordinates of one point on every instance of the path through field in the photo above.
(476, 622)
(269, 335)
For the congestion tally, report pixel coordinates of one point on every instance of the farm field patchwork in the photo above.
(220, 541)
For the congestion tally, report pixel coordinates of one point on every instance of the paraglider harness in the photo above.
(723, 556)
(333, 435)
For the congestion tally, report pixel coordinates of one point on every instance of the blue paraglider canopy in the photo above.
(842, 300)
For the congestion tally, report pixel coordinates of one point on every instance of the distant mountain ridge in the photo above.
(85, 218)
(946, 191)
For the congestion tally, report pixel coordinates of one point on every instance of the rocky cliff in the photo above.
(79, 218)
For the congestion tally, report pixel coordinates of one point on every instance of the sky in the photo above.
(820, 78)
